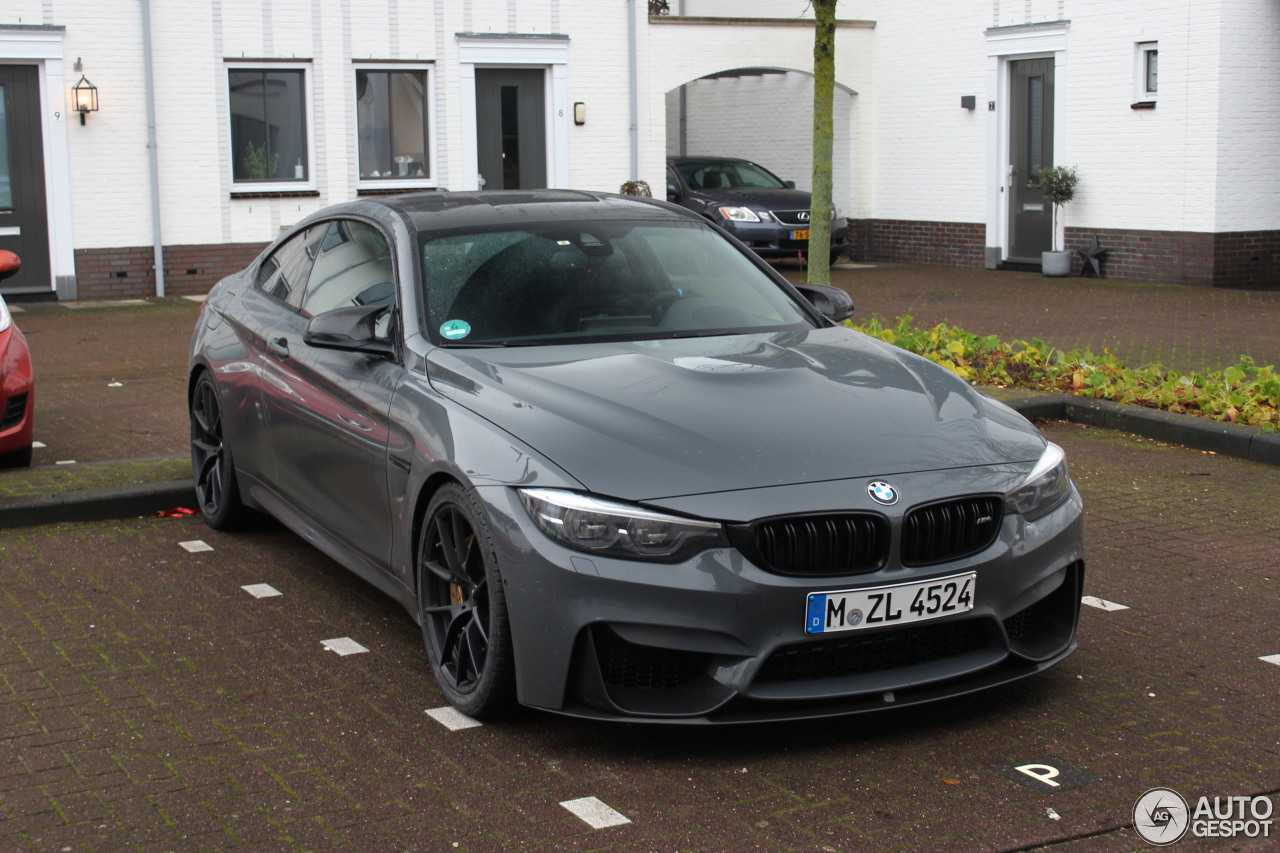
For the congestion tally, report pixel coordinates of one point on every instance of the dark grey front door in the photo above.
(1030, 147)
(511, 137)
(24, 224)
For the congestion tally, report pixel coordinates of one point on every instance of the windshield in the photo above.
(575, 281)
(727, 174)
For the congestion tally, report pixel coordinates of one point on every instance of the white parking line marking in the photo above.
(195, 546)
(1102, 603)
(343, 646)
(115, 384)
(261, 590)
(65, 462)
(38, 444)
(1275, 659)
(595, 813)
(452, 719)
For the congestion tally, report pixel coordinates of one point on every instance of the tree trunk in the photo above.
(824, 80)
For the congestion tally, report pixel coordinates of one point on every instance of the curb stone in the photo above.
(1186, 430)
(130, 501)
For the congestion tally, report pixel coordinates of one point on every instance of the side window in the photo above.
(672, 180)
(285, 272)
(353, 267)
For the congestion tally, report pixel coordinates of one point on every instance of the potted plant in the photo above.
(1058, 183)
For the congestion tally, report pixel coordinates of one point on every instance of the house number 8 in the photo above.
(561, 113)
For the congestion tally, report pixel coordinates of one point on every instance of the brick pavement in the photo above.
(147, 702)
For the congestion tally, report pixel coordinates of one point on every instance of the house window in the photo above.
(393, 124)
(268, 126)
(1147, 68)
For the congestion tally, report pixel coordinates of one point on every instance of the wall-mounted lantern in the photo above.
(86, 97)
(579, 113)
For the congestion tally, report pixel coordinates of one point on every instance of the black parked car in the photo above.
(753, 204)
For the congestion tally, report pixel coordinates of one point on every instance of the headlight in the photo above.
(618, 530)
(5, 319)
(739, 214)
(1045, 487)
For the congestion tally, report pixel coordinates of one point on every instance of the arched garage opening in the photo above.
(764, 115)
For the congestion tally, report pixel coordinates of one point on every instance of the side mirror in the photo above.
(790, 184)
(352, 329)
(831, 302)
(672, 191)
(9, 264)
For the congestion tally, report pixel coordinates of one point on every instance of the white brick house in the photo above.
(265, 110)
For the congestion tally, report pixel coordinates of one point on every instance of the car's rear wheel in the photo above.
(462, 606)
(217, 491)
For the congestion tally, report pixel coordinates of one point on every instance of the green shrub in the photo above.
(1242, 394)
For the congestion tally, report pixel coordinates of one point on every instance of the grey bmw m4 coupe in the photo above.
(617, 467)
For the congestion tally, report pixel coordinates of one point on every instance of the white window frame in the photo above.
(1141, 93)
(310, 185)
(432, 180)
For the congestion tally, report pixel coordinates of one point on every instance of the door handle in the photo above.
(279, 346)
(1013, 173)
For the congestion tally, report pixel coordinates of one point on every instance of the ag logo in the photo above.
(882, 493)
(1161, 816)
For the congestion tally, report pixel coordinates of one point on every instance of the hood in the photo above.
(645, 420)
(767, 199)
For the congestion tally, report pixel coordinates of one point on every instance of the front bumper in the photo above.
(777, 240)
(719, 640)
(17, 392)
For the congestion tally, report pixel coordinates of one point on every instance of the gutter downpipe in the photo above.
(152, 157)
(684, 106)
(635, 92)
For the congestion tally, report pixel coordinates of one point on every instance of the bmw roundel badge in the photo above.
(882, 493)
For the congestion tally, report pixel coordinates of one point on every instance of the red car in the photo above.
(17, 386)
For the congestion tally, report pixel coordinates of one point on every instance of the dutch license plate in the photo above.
(802, 234)
(876, 607)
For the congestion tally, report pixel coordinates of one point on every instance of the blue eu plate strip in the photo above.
(816, 622)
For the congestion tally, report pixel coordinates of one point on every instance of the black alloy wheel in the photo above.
(217, 492)
(462, 606)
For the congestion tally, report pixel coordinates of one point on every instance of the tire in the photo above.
(462, 606)
(19, 458)
(214, 472)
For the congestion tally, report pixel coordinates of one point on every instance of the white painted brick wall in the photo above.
(723, 119)
(1152, 169)
(1248, 118)
(750, 8)
(25, 12)
(930, 160)
(1204, 159)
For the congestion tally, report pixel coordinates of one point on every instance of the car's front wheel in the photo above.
(217, 491)
(462, 606)
(19, 458)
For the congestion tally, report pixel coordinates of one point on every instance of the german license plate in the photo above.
(899, 604)
(802, 234)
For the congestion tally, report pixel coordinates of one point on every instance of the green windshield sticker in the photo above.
(455, 329)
